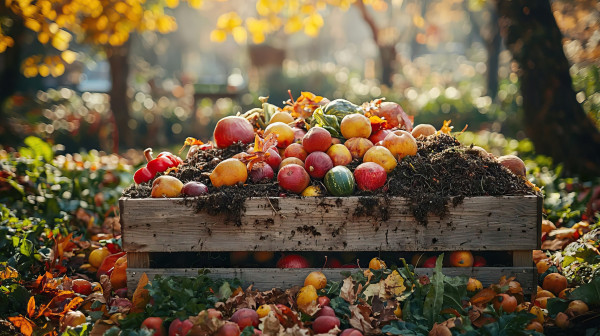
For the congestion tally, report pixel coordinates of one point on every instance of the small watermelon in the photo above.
(339, 181)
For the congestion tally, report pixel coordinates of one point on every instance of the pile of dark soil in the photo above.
(443, 170)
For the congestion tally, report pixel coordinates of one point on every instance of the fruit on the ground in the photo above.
(82, 286)
(312, 191)
(561, 320)
(293, 261)
(544, 293)
(355, 125)
(118, 277)
(430, 262)
(232, 129)
(339, 154)
(381, 156)
(317, 164)
(281, 116)
(293, 177)
(317, 279)
(263, 310)
(316, 139)
(108, 263)
(166, 186)
(394, 114)
(513, 163)
(156, 324)
(295, 150)
(263, 256)
(229, 329)
(461, 259)
(261, 172)
(424, 130)
(370, 176)
(229, 172)
(474, 285)
(245, 317)
(194, 188)
(306, 298)
(547, 226)
(479, 261)
(358, 147)
(578, 307)
(97, 256)
(506, 302)
(291, 160)
(542, 266)
(323, 324)
(555, 282)
(378, 136)
(351, 332)
(535, 325)
(325, 311)
(71, 319)
(284, 133)
(339, 181)
(323, 301)
(400, 143)
(377, 264)
(274, 159)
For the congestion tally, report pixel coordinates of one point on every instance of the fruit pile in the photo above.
(316, 147)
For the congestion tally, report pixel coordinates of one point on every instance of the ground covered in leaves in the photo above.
(442, 169)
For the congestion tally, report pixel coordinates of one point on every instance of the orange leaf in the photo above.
(73, 304)
(141, 296)
(8, 273)
(21, 322)
(31, 306)
(484, 296)
(377, 123)
(446, 128)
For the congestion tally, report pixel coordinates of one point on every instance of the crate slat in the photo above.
(267, 278)
(330, 224)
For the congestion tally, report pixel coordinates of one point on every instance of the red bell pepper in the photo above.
(161, 163)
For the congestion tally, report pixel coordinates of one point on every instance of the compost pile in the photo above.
(443, 169)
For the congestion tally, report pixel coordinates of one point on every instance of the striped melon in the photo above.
(339, 181)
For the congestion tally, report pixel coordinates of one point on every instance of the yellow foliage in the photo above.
(218, 35)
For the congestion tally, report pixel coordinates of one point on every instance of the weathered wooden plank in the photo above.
(138, 259)
(267, 278)
(331, 224)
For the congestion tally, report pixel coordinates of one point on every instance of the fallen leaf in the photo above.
(394, 285)
(31, 306)
(203, 325)
(141, 296)
(440, 330)
(361, 318)
(347, 292)
(23, 323)
(270, 325)
(8, 273)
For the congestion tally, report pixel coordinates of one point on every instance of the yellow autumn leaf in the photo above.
(394, 284)
(293, 25)
(239, 34)
(218, 35)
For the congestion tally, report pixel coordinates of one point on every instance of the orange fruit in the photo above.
(376, 264)
(97, 256)
(542, 302)
(555, 282)
(229, 172)
(461, 259)
(578, 307)
(281, 116)
(542, 266)
(539, 314)
(306, 296)
(506, 302)
(118, 277)
(355, 126)
(544, 293)
(263, 310)
(317, 279)
(284, 133)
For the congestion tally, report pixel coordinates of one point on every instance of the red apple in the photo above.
(245, 317)
(180, 328)
(293, 178)
(232, 129)
(317, 164)
(430, 262)
(351, 332)
(323, 301)
(316, 139)
(82, 286)
(229, 329)
(295, 150)
(370, 176)
(479, 261)
(323, 324)
(274, 158)
(156, 324)
(293, 261)
(379, 136)
(298, 134)
(261, 172)
(325, 311)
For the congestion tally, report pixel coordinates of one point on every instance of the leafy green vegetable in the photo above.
(435, 297)
(588, 293)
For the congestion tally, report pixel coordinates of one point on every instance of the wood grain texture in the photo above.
(267, 278)
(331, 224)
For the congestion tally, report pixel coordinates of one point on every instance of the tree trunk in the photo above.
(118, 59)
(553, 119)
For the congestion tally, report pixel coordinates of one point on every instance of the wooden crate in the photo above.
(507, 223)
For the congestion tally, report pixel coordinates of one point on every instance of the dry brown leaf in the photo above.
(141, 296)
(347, 292)
(483, 297)
(205, 326)
(440, 330)
(361, 318)
(270, 325)
(99, 328)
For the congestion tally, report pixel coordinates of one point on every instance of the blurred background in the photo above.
(93, 74)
